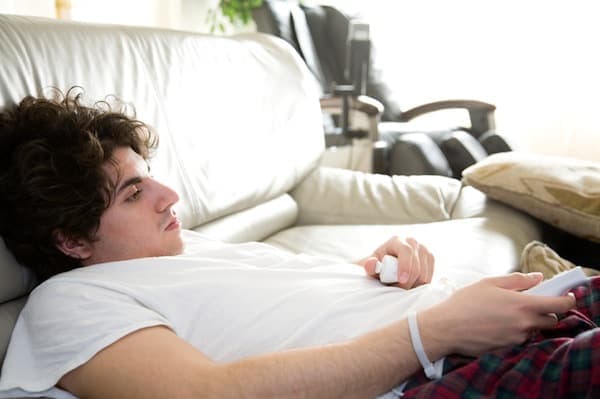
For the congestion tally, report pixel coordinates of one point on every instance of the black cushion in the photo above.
(462, 150)
(494, 143)
(417, 154)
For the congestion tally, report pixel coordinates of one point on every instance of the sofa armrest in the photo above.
(340, 196)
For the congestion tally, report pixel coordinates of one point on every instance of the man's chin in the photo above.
(180, 245)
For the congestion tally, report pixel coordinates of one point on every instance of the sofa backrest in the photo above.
(238, 117)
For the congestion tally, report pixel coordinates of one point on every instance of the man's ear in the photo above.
(75, 247)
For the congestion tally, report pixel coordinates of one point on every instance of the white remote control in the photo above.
(560, 283)
(387, 269)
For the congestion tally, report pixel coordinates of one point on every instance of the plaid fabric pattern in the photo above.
(560, 363)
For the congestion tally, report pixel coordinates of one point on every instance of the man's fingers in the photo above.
(546, 321)
(370, 264)
(406, 260)
(431, 266)
(414, 261)
(542, 305)
(559, 304)
(427, 262)
(412, 242)
(415, 264)
(517, 281)
(408, 278)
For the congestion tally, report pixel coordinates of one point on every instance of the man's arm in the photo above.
(155, 363)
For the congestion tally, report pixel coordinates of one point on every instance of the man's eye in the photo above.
(136, 194)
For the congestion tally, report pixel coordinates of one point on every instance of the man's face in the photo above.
(140, 221)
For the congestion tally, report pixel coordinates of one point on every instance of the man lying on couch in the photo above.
(126, 311)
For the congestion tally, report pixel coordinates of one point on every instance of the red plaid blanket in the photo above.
(560, 363)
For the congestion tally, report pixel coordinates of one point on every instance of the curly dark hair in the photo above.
(51, 176)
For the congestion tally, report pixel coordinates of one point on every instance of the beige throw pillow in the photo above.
(563, 192)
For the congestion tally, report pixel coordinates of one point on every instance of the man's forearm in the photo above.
(155, 363)
(361, 368)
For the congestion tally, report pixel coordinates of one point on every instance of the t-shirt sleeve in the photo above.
(63, 325)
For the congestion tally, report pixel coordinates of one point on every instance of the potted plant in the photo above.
(235, 11)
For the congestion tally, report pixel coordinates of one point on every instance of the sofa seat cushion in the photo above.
(477, 246)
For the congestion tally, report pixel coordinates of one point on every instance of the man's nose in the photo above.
(166, 198)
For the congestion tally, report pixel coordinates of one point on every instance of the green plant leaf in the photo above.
(235, 11)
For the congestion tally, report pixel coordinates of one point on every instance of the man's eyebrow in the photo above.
(127, 183)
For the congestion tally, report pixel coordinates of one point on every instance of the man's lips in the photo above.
(173, 224)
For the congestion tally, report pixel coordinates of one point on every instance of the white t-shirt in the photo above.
(230, 301)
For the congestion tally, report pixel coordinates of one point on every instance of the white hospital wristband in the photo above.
(433, 371)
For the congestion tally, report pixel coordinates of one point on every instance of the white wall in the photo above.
(176, 14)
(39, 8)
(536, 60)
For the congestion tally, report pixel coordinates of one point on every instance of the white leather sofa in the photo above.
(241, 140)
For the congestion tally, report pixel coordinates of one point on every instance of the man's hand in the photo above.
(415, 262)
(491, 314)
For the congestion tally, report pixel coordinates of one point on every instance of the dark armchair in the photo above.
(320, 35)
